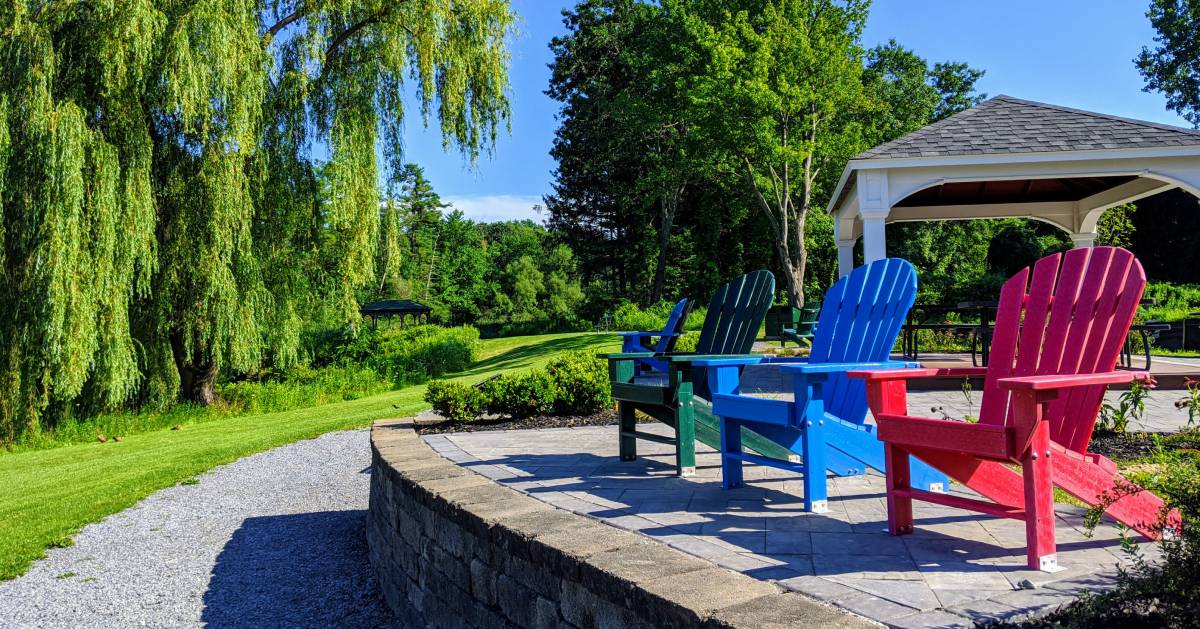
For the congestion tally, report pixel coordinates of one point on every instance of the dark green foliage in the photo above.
(520, 395)
(581, 383)
(1164, 236)
(296, 387)
(1165, 593)
(300, 386)
(1173, 65)
(575, 383)
(1018, 244)
(609, 204)
(454, 400)
(1172, 302)
(1116, 227)
(414, 355)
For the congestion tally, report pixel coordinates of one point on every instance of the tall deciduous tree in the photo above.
(782, 85)
(626, 127)
(1172, 66)
(162, 217)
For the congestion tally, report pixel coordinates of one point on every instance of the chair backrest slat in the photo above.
(675, 322)
(861, 317)
(735, 313)
(1069, 316)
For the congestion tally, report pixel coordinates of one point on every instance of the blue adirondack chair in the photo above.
(826, 424)
(640, 341)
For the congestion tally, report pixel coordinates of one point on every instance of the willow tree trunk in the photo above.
(197, 377)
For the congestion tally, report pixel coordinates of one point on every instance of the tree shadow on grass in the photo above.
(301, 570)
(522, 356)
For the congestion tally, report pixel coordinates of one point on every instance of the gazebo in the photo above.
(1009, 157)
(402, 308)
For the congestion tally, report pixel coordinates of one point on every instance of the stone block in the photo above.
(440, 485)
(935, 618)
(581, 608)
(442, 470)
(545, 614)
(466, 496)
(449, 566)
(483, 582)
(693, 596)
(483, 516)
(515, 600)
(536, 577)
(567, 550)
(519, 530)
(616, 574)
(785, 610)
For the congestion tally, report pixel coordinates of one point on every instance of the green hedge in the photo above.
(1175, 302)
(575, 383)
(413, 355)
(632, 318)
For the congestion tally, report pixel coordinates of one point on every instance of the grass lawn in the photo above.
(48, 495)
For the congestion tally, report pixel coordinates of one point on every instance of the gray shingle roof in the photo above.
(1010, 125)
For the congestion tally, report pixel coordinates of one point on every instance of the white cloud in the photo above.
(498, 207)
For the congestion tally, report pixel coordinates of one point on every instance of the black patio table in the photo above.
(918, 319)
(981, 332)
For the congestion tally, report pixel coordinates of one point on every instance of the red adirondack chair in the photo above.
(1057, 338)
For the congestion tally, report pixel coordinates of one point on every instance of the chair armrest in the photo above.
(827, 368)
(720, 361)
(627, 355)
(874, 375)
(1054, 382)
(646, 334)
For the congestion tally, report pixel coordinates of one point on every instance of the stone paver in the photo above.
(957, 568)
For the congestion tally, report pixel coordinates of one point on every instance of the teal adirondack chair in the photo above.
(859, 322)
(805, 328)
(679, 397)
(640, 341)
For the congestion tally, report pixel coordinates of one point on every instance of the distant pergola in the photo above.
(402, 308)
(1010, 158)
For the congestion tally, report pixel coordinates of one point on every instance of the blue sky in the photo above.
(1076, 53)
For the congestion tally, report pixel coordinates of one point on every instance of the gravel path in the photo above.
(274, 539)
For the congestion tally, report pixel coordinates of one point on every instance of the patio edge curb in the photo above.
(453, 548)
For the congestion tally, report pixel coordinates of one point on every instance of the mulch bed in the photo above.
(606, 417)
(1133, 445)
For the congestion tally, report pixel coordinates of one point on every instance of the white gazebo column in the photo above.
(1084, 239)
(873, 208)
(874, 237)
(845, 257)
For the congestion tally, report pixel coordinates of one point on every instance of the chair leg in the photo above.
(816, 499)
(900, 511)
(731, 442)
(628, 424)
(1039, 502)
(685, 438)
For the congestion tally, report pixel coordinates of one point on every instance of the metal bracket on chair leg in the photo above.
(820, 506)
(937, 488)
(1049, 563)
(687, 471)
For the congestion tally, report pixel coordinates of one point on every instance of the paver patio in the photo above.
(959, 567)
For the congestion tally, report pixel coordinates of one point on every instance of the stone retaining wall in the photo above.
(452, 548)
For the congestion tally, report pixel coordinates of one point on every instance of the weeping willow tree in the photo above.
(162, 216)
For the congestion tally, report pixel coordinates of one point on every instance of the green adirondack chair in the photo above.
(679, 398)
(806, 325)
